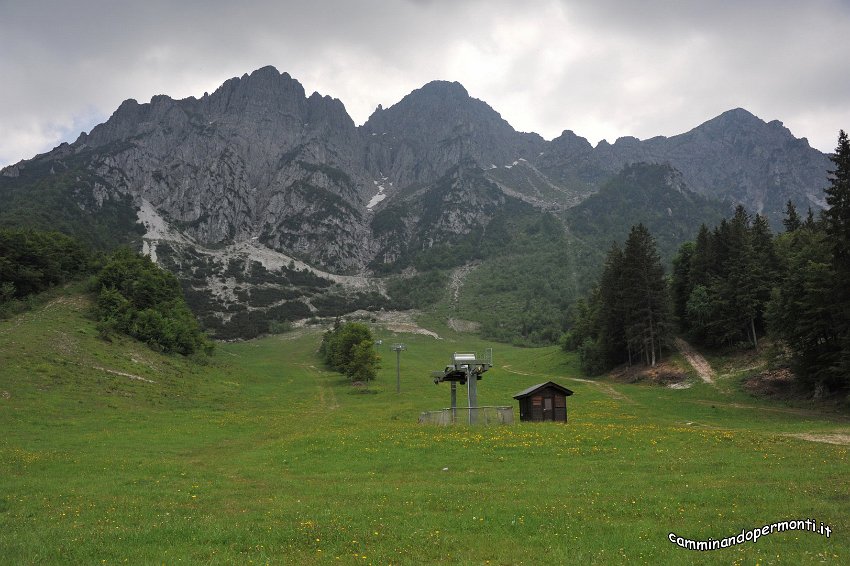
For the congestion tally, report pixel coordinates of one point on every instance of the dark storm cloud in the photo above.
(603, 69)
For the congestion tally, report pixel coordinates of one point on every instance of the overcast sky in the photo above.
(602, 68)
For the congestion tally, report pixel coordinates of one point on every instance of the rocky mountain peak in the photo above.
(437, 127)
(265, 91)
(569, 142)
(258, 159)
(732, 125)
(446, 89)
(441, 105)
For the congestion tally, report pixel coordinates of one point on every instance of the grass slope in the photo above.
(264, 457)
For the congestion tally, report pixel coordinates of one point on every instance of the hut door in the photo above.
(547, 409)
(537, 408)
(560, 408)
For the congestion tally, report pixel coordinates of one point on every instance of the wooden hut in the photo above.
(543, 402)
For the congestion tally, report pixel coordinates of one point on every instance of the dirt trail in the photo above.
(123, 374)
(809, 413)
(330, 402)
(694, 358)
(603, 387)
(842, 439)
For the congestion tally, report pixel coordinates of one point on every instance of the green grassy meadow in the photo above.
(261, 456)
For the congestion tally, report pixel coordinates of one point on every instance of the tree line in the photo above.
(730, 286)
(722, 282)
(809, 310)
(133, 295)
(626, 318)
(32, 262)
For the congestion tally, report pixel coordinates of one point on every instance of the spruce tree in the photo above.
(837, 217)
(703, 262)
(765, 266)
(837, 226)
(645, 297)
(612, 309)
(792, 218)
(681, 284)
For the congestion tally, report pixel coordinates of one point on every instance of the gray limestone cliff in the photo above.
(260, 161)
(256, 159)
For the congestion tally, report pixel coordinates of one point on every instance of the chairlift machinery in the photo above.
(466, 369)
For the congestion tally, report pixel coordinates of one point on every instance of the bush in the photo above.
(349, 349)
(138, 298)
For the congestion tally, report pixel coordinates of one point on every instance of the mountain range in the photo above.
(436, 181)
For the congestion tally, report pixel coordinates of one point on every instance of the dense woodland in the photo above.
(138, 298)
(627, 317)
(133, 295)
(734, 283)
(32, 262)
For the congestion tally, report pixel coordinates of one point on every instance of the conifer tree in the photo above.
(647, 320)
(703, 262)
(765, 267)
(612, 308)
(792, 219)
(836, 221)
(837, 217)
(681, 282)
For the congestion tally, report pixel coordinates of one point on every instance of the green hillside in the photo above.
(112, 453)
(66, 196)
(653, 195)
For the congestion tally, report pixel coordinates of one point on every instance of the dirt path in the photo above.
(808, 413)
(124, 374)
(842, 439)
(697, 362)
(603, 387)
(330, 401)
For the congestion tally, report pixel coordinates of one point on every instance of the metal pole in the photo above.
(471, 393)
(398, 348)
(454, 401)
(398, 371)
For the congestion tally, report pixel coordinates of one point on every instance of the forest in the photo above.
(132, 295)
(32, 262)
(734, 283)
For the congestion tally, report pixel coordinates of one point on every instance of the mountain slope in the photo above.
(655, 195)
(735, 156)
(255, 159)
(259, 173)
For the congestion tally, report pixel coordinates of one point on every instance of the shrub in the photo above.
(139, 299)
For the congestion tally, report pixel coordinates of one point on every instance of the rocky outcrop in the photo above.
(255, 159)
(437, 127)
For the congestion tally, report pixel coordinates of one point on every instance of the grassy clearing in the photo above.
(264, 457)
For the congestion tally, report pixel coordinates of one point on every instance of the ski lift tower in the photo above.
(466, 368)
(398, 349)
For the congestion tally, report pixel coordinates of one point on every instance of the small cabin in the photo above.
(543, 402)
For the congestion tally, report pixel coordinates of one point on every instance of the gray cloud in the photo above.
(603, 69)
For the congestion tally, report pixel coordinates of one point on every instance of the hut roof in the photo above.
(533, 388)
